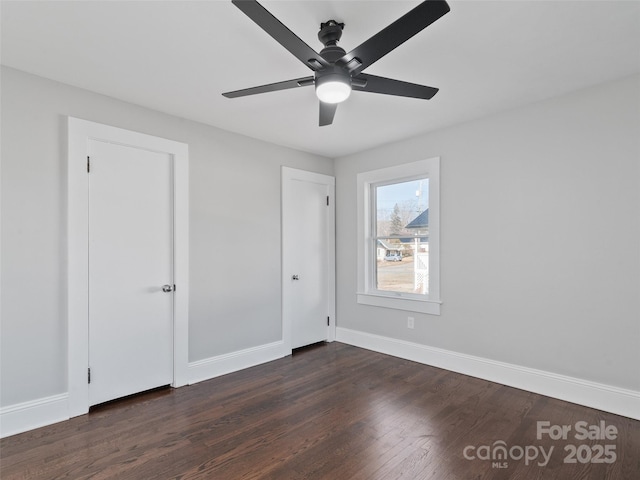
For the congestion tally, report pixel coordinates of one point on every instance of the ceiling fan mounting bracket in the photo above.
(330, 32)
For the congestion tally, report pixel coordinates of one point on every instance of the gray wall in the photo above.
(235, 300)
(540, 234)
(540, 237)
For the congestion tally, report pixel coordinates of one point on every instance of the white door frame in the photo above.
(79, 132)
(288, 175)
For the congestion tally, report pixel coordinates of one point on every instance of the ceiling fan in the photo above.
(337, 72)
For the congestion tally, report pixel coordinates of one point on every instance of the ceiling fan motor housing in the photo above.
(335, 74)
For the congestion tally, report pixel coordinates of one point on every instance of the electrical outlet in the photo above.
(410, 322)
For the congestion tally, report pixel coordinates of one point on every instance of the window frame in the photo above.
(367, 293)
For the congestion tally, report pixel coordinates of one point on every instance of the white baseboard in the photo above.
(26, 416)
(234, 361)
(583, 392)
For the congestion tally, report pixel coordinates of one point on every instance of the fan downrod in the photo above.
(330, 34)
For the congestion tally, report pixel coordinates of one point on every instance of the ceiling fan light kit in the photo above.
(333, 88)
(336, 72)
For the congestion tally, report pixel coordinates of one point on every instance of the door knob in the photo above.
(295, 277)
(167, 288)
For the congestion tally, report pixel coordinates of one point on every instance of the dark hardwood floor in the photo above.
(329, 412)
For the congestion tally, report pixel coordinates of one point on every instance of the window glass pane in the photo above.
(398, 204)
(402, 236)
(405, 270)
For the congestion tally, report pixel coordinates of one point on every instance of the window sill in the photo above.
(431, 307)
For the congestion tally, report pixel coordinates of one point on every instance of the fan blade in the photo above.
(327, 112)
(272, 87)
(393, 36)
(388, 86)
(284, 36)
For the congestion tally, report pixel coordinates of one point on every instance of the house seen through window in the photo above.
(401, 236)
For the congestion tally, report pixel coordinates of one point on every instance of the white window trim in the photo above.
(367, 294)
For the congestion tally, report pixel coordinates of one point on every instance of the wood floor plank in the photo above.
(329, 412)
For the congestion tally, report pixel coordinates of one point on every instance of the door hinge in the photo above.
(88, 165)
(328, 322)
(88, 375)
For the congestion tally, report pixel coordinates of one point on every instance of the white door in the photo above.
(307, 257)
(130, 260)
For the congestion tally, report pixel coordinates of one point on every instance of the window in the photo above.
(400, 236)
(398, 249)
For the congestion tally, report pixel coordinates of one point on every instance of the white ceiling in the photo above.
(179, 56)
